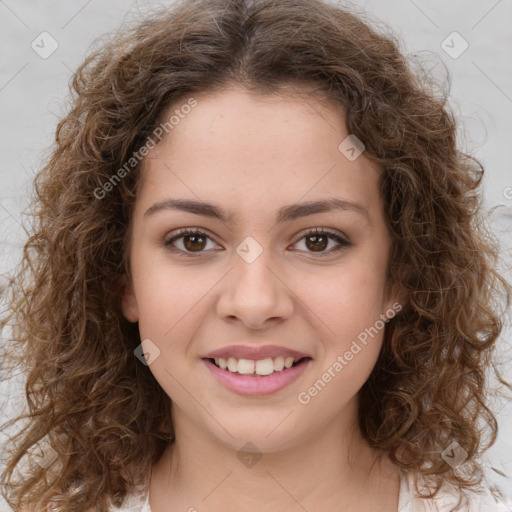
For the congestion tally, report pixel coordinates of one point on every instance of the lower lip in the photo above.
(257, 385)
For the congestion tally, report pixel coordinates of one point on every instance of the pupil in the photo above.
(194, 239)
(319, 242)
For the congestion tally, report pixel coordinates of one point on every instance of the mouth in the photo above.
(261, 377)
(257, 368)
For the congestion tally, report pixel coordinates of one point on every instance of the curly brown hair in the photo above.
(103, 412)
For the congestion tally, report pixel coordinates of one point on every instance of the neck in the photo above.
(199, 472)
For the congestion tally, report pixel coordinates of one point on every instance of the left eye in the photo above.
(318, 241)
(196, 241)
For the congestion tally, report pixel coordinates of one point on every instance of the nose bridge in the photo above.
(253, 293)
(252, 275)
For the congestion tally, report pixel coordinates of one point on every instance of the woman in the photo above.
(258, 280)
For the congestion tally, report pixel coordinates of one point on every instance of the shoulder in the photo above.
(448, 498)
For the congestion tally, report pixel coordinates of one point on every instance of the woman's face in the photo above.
(257, 176)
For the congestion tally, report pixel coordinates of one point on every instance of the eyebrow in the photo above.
(284, 214)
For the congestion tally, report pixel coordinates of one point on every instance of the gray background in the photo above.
(33, 92)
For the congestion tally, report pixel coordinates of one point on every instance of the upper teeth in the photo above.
(259, 367)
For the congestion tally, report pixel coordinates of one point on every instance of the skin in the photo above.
(251, 155)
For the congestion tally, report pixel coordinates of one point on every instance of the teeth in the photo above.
(264, 366)
(232, 364)
(279, 363)
(260, 367)
(245, 366)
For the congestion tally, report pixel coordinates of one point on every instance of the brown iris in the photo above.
(319, 242)
(194, 242)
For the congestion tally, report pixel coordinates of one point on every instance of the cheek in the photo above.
(345, 301)
(164, 303)
(347, 311)
(169, 296)
(338, 383)
(171, 306)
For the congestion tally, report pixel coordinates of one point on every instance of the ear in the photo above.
(129, 302)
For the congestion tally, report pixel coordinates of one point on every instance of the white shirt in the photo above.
(446, 499)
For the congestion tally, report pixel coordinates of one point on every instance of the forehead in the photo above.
(244, 148)
(244, 119)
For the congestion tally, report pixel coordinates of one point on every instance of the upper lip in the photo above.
(254, 353)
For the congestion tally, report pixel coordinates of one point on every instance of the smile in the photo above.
(256, 377)
(260, 367)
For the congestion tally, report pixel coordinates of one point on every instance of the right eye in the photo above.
(189, 241)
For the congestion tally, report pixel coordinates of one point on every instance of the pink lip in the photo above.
(250, 385)
(254, 353)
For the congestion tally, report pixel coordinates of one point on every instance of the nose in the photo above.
(255, 293)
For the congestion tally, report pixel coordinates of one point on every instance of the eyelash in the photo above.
(317, 231)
